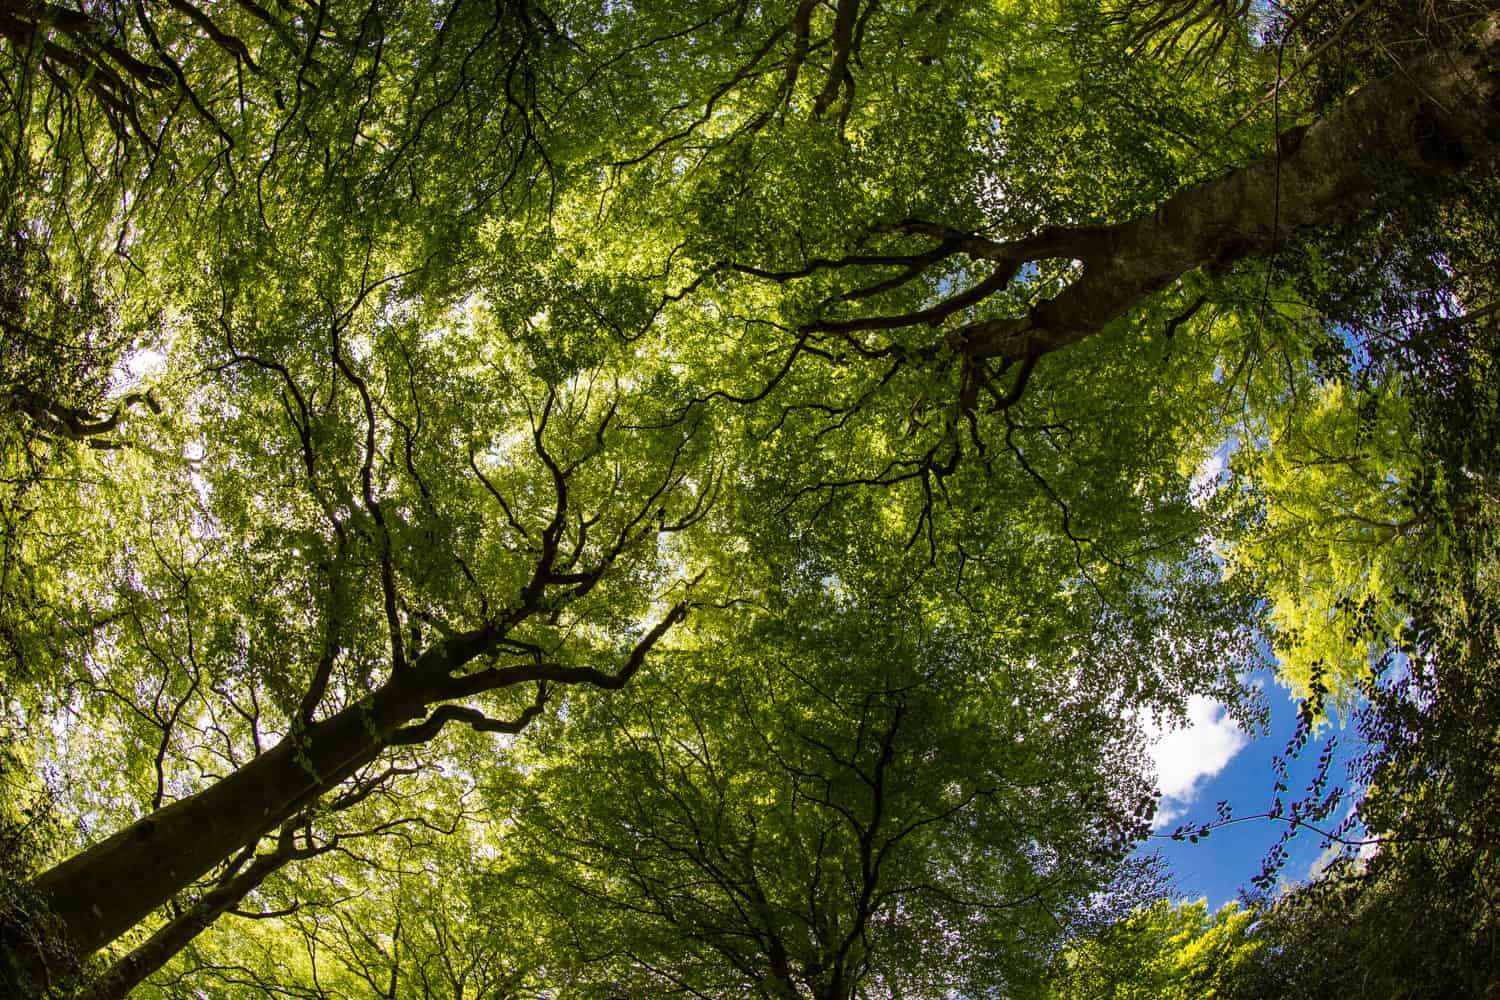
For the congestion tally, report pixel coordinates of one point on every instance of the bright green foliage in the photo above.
(507, 352)
(1167, 951)
(875, 803)
(1414, 914)
(1342, 537)
(401, 901)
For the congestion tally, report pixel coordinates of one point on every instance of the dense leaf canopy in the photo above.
(645, 499)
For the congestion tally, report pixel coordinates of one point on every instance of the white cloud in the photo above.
(1187, 757)
(1167, 813)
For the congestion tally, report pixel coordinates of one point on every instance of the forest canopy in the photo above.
(646, 499)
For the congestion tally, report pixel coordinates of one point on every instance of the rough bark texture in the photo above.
(100, 893)
(1436, 115)
(131, 970)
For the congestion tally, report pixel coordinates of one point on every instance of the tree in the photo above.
(1341, 538)
(774, 817)
(1411, 914)
(401, 912)
(1165, 950)
(497, 331)
(143, 864)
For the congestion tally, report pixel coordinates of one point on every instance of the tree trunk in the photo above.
(102, 892)
(128, 973)
(1436, 115)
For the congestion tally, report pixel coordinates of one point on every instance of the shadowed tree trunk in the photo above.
(1438, 114)
(100, 893)
(128, 973)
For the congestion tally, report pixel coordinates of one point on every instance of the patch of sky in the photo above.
(143, 363)
(1210, 760)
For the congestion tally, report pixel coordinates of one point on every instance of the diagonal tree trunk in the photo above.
(1436, 115)
(241, 876)
(100, 893)
(129, 972)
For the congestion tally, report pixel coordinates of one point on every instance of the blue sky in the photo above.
(1212, 760)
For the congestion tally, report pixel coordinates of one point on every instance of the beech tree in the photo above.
(1164, 950)
(793, 817)
(453, 361)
